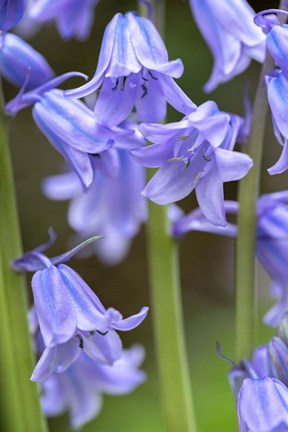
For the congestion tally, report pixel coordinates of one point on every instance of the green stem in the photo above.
(166, 306)
(20, 406)
(247, 223)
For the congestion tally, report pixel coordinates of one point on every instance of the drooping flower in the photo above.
(263, 406)
(271, 246)
(64, 303)
(194, 153)
(79, 389)
(233, 38)
(69, 125)
(105, 207)
(11, 12)
(73, 18)
(260, 392)
(20, 63)
(134, 70)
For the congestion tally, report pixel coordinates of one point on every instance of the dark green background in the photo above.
(206, 260)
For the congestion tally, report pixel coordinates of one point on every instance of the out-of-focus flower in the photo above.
(233, 38)
(133, 69)
(194, 153)
(64, 303)
(11, 12)
(272, 242)
(69, 125)
(73, 18)
(105, 207)
(20, 63)
(79, 389)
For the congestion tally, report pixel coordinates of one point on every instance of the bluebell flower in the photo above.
(233, 38)
(271, 245)
(79, 389)
(69, 125)
(105, 207)
(11, 12)
(263, 406)
(260, 392)
(194, 153)
(134, 70)
(20, 63)
(73, 18)
(64, 303)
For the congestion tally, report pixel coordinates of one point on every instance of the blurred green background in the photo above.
(206, 260)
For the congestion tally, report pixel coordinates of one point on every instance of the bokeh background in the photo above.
(206, 260)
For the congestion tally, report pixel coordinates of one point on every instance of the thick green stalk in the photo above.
(245, 250)
(175, 383)
(20, 404)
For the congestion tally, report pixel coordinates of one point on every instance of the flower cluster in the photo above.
(74, 330)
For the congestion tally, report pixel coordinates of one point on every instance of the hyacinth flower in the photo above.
(194, 153)
(106, 206)
(73, 18)
(271, 245)
(11, 12)
(79, 389)
(231, 35)
(69, 125)
(64, 303)
(133, 70)
(20, 63)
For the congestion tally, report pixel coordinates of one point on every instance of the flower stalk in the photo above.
(247, 219)
(20, 403)
(175, 383)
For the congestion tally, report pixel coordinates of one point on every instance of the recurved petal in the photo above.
(130, 323)
(54, 308)
(62, 187)
(282, 164)
(232, 165)
(175, 96)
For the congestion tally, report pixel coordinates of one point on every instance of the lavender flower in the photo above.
(105, 207)
(133, 69)
(79, 389)
(11, 12)
(69, 125)
(64, 303)
(20, 63)
(232, 36)
(73, 18)
(271, 247)
(194, 153)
